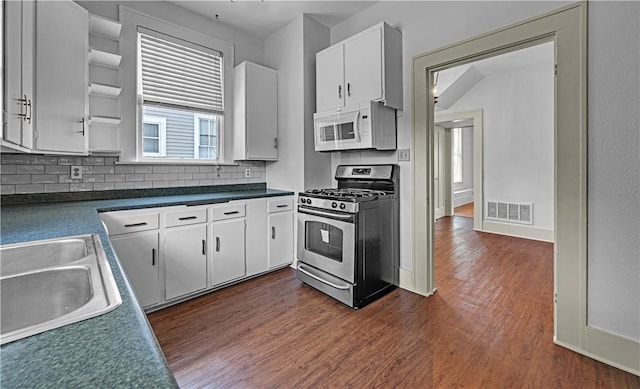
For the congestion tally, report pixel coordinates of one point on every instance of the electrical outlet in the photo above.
(247, 173)
(76, 172)
(404, 154)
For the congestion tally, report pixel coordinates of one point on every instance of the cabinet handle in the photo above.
(30, 110)
(275, 143)
(217, 244)
(153, 257)
(231, 212)
(273, 232)
(23, 103)
(282, 206)
(135, 224)
(339, 91)
(187, 218)
(204, 247)
(83, 122)
(349, 89)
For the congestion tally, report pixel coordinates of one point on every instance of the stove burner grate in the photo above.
(346, 192)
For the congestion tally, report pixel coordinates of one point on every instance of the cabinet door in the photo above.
(281, 238)
(228, 250)
(363, 68)
(18, 71)
(138, 254)
(262, 112)
(185, 260)
(330, 90)
(256, 245)
(61, 94)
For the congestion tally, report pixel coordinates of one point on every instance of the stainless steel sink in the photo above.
(51, 283)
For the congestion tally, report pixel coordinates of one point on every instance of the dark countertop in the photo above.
(115, 350)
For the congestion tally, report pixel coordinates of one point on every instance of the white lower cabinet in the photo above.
(280, 232)
(227, 246)
(172, 253)
(138, 254)
(185, 256)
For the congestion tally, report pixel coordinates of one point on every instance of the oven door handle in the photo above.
(315, 277)
(325, 214)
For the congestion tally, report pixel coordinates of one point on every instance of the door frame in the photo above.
(478, 194)
(567, 28)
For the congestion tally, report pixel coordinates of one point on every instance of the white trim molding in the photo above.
(518, 231)
(606, 347)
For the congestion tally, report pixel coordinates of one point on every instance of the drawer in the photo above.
(283, 204)
(228, 211)
(124, 222)
(185, 217)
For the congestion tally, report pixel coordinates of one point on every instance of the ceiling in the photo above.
(455, 82)
(263, 18)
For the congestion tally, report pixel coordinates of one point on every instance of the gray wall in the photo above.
(613, 135)
(24, 173)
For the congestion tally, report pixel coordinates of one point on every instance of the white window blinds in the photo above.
(180, 74)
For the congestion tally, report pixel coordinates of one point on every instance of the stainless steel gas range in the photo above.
(348, 236)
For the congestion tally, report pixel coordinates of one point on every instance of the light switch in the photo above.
(404, 154)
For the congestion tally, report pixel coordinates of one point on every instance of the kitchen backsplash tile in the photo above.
(22, 174)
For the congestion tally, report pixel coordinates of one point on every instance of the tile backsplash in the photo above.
(24, 173)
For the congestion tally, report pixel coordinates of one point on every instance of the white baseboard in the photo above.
(462, 197)
(518, 231)
(617, 351)
(406, 283)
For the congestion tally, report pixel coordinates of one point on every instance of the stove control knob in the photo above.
(334, 205)
(308, 201)
(342, 206)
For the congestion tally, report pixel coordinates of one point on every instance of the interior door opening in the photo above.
(493, 141)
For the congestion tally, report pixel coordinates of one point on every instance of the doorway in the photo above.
(567, 29)
(471, 119)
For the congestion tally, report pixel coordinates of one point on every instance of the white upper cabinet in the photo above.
(62, 41)
(330, 78)
(18, 74)
(255, 113)
(47, 74)
(364, 67)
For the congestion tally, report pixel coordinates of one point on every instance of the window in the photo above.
(181, 84)
(457, 155)
(206, 136)
(154, 141)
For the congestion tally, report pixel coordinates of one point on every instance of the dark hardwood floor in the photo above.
(490, 325)
(464, 210)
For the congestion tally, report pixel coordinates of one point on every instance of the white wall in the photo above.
(613, 98)
(291, 50)
(284, 53)
(517, 137)
(317, 166)
(614, 168)
(246, 47)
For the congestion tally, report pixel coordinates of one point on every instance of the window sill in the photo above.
(177, 162)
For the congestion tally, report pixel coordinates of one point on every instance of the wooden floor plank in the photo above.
(490, 325)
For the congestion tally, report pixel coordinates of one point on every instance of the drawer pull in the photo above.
(282, 206)
(231, 212)
(187, 218)
(136, 225)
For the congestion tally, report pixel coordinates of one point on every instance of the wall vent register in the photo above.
(521, 213)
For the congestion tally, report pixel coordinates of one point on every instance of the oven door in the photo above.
(326, 241)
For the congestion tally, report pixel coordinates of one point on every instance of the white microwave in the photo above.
(369, 125)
